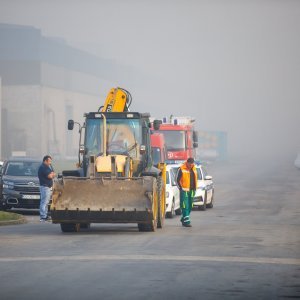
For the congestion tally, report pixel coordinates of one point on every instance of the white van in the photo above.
(172, 193)
(204, 197)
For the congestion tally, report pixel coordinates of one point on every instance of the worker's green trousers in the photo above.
(186, 205)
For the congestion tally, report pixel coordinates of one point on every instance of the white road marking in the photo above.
(178, 258)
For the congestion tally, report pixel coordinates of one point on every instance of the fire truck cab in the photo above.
(180, 137)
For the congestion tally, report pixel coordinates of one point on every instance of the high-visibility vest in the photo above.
(185, 178)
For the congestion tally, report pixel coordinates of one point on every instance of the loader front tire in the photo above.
(150, 227)
(85, 225)
(70, 227)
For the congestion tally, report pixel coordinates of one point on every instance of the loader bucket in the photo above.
(103, 200)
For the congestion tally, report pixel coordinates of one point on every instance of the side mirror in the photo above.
(70, 125)
(142, 149)
(195, 144)
(195, 136)
(208, 177)
(156, 124)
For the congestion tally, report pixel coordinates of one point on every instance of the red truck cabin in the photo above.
(179, 141)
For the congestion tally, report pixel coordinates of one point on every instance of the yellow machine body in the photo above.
(108, 192)
(115, 101)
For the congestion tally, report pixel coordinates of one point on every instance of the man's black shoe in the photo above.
(186, 225)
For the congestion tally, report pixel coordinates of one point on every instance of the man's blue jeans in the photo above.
(45, 199)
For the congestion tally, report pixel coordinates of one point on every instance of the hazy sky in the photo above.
(233, 65)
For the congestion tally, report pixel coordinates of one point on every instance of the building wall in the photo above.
(21, 106)
(40, 125)
(45, 82)
(58, 107)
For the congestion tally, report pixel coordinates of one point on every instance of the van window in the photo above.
(199, 173)
(173, 179)
(204, 172)
(167, 177)
(175, 170)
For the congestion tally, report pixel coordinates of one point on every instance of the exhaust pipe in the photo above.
(12, 201)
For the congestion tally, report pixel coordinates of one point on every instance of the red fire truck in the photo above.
(180, 137)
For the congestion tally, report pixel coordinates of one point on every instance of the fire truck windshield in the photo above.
(175, 140)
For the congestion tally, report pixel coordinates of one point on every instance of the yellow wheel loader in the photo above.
(115, 181)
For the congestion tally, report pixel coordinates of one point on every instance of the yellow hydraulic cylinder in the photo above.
(115, 101)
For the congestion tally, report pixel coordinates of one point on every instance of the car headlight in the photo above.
(203, 187)
(8, 185)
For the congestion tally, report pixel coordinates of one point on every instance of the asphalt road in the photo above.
(246, 247)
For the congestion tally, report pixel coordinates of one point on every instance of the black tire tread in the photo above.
(160, 214)
(70, 227)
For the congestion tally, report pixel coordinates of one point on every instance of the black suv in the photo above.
(20, 183)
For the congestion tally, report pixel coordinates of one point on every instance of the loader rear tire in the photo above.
(160, 203)
(70, 227)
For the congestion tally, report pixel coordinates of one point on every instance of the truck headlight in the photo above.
(8, 185)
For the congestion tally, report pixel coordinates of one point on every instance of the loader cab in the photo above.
(124, 133)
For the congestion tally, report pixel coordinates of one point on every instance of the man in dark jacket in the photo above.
(46, 175)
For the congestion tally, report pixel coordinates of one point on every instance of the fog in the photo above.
(233, 65)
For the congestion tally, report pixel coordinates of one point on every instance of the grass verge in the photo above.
(8, 218)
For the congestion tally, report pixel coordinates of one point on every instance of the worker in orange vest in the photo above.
(187, 184)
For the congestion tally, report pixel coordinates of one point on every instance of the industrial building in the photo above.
(43, 83)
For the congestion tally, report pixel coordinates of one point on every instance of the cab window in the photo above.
(204, 172)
